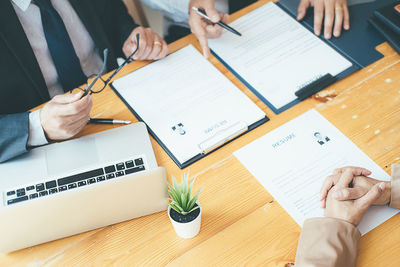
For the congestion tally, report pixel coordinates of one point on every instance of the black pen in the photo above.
(107, 121)
(202, 13)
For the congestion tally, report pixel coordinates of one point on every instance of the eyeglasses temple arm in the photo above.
(125, 62)
(103, 70)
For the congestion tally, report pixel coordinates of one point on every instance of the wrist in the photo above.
(387, 192)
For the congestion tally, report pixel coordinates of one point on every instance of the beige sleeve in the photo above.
(327, 242)
(395, 187)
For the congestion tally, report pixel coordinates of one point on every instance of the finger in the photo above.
(213, 31)
(75, 127)
(327, 185)
(149, 44)
(67, 98)
(345, 179)
(371, 196)
(323, 203)
(225, 18)
(338, 20)
(357, 171)
(212, 13)
(128, 48)
(318, 16)
(142, 44)
(329, 17)
(337, 171)
(302, 9)
(164, 51)
(84, 115)
(349, 193)
(200, 33)
(74, 108)
(157, 47)
(130, 44)
(346, 17)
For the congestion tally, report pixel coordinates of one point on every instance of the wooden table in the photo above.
(242, 224)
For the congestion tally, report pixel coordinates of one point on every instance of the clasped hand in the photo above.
(348, 193)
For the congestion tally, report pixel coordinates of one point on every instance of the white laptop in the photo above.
(79, 185)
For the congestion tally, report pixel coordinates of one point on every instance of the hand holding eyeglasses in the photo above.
(152, 46)
(65, 115)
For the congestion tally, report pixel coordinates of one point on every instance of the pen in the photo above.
(107, 121)
(223, 25)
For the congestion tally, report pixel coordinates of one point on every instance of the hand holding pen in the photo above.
(204, 28)
(202, 13)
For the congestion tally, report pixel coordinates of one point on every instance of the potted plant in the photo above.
(184, 211)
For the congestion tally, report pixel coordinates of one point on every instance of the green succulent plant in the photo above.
(180, 194)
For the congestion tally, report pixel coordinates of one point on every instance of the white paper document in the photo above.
(189, 105)
(276, 54)
(292, 161)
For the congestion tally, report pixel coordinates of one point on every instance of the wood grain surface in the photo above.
(241, 223)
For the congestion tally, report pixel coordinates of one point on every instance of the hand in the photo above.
(65, 115)
(334, 10)
(202, 28)
(151, 45)
(351, 211)
(360, 185)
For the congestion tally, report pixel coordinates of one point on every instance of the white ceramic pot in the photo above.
(189, 229)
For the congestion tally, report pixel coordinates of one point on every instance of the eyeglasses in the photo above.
(89, 89)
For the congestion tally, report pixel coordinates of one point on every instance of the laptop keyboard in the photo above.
(74, 181)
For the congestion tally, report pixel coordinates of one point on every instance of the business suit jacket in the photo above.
(235, 5)
(22, 85)
(329, 242)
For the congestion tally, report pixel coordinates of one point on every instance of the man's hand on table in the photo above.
(334, 13)
(151, 45)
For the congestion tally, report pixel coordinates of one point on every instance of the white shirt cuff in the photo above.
(36, 133)
(175, 10)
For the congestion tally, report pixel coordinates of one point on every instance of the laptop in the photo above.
(75, 186)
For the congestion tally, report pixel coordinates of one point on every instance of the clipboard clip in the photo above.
(222, 137)
(315, 86)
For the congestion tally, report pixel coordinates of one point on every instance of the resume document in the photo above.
(276, 55)
(292, 161)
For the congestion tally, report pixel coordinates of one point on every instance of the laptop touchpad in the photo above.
(71, 155)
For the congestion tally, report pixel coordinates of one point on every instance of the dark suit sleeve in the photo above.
(14, 133)
(119, 23)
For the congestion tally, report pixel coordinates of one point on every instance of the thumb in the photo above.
(67, 98)
(373, 194)
(211, 12)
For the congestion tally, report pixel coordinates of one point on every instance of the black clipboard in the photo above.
(227, 134)
(185, 164)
